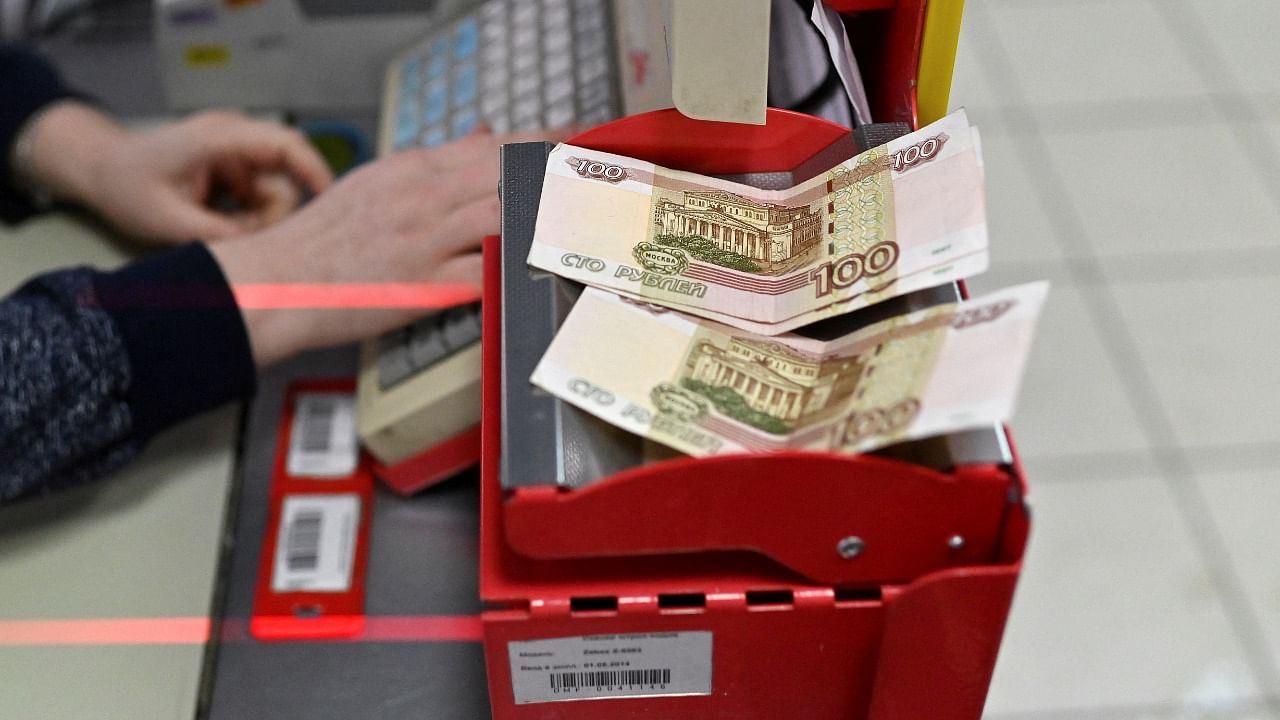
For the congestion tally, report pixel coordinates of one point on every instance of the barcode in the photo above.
(302, 544)
(317, 425)
(602, 679)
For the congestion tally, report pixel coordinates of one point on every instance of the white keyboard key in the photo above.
(560, 115)
(596, 116)
(493, 103)
(494, 10)
(527, 115)
(555, 20)
(594, 94)
(494, 80)
(589, 47)
(524, 85)
(461, 328)
(525, 15)
(525, 62)
(592, 69)
(525, 107)
(556, 42)
(427, 346)
(524, 38)
(499, 124)
(495, 32)
(558, 90)
(556, 64)
(589, 22)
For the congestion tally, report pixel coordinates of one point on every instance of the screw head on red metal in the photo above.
(850, 547)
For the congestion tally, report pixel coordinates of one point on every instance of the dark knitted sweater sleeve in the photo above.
(92, 365)
(27, 84)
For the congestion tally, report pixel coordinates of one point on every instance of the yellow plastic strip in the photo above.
(937, 58)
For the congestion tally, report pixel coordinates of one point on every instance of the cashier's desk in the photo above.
(144, 596)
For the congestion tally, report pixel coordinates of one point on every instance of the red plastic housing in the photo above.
(746, 547)
(311, 615)
(753, 540)
(431, 466)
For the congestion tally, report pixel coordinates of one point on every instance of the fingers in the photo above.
(484, 146)
(273, 197)
(465, 227)
(465, 170)
(266, 146)
(178, 218)
(465, 269)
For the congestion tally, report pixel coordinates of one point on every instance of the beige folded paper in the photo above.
(705, 389)
(891, 220)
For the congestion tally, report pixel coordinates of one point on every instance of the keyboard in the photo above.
(425, 343)
(510, 65)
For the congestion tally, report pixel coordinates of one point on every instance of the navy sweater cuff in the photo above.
(186, 340)
(28, 85)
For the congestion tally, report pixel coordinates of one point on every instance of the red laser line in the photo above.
(352, 296)
(107, 631)
(195, 631)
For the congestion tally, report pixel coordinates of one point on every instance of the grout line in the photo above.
(1174, 465)
(1161, 112)
(1235, 107)
(1241, 263)
(1146, 268)
(1242, 457)
(1087, 467)
(1204, 459)
(1163, 711)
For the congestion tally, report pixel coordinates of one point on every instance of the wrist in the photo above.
(63, 151)
(274, 334)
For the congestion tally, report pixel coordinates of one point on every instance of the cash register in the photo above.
(513, 65)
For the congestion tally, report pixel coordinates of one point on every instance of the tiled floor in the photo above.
(1133, 158)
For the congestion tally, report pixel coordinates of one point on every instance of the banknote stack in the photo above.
(695, 284)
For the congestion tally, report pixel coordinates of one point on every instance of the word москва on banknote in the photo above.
(704, 388)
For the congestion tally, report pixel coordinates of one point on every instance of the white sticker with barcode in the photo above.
(316, 544)
(594, 667)
(322, 440)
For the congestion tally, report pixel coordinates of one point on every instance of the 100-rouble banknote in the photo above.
(903, 216)
(706, 389)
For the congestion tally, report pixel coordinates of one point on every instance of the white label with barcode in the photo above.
(316, 544)
(593, 667)
(322, 440)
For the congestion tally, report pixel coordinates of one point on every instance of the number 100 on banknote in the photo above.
(894, 219)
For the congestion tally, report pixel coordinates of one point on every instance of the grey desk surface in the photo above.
(423, 561)
(145, 544)
(142, 545)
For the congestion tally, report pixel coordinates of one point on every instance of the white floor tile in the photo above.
(1071, 401)
(970, 86)
(1089, 51)
(1258, 710)
(1243, 505)
(1243, 33)
(1209, 347)
(1115, 609)
(1164, 189)
(1021, 231)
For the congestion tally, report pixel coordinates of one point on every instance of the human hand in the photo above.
(418, 216)
(158, 184)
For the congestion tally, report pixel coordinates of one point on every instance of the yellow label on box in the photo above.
(201, 56)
